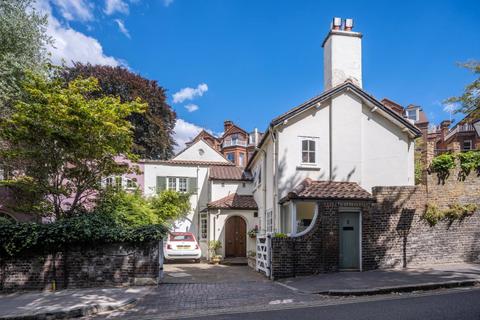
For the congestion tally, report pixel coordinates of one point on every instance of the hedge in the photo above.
(18, 238)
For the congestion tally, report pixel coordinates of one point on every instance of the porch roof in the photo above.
(234, 201)
(327, 190)
(229, 173)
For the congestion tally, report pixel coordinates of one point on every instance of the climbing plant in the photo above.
(456, 211)
(469, 161)
(442, 164)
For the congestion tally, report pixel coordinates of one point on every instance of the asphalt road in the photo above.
(456, 304)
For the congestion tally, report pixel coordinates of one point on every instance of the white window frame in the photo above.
(470, 145)
(316, 152)
(177, 184)
(203, 226)
(417, 114)
(172, 186)
(269, 221)
(257, 176)
(180, 181)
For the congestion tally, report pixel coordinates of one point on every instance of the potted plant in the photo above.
(213, 246)
(253, 233)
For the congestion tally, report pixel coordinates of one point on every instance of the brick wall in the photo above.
(103, 265)
(393, 233)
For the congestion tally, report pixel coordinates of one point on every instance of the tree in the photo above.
(153, 130)
(23, 42)
(62, 141)
(469, 102)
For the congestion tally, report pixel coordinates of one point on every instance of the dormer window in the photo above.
(412, 114)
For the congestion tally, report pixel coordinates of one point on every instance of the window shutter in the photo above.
(161, 184)
(192, 185)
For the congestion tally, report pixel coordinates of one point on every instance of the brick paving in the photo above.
(189, 297)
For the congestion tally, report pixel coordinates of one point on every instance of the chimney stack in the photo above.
(342, 54)
(226, 125)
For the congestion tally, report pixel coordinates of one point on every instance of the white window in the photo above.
(182, 184)
(113, 182)
(203, 226)
(308, 151)
(130, 183)
(257, 176)
(172, 183)
(269, 221)
(412, 114)
(467, 145)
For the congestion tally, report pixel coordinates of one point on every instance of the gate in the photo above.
(263, 254)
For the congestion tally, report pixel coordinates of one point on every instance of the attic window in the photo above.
(412, 114)
(201, 152)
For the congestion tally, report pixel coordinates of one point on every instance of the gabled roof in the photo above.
(201, 134)
(229, 173)
(347, 85)
(328, 190)
(233, 129)
(234, 201)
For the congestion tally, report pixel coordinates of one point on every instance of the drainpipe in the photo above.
(275, 178)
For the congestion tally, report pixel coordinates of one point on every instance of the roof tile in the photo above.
(234, 201)
(229, 173)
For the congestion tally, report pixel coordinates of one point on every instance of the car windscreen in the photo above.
(181, 237)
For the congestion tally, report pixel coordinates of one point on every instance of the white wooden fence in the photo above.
(263, 254)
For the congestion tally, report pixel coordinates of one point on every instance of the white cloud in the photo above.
(71, 45)
(191, 107)
(122, 28)
(112, 6)
(184, 132)
(166, 3)
(449, 107)
(190, 93)
(75, 9)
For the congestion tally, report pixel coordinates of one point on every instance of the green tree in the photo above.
(62, 141)
(469, 102)
(134, 210)
(23, 42)
(153, 130)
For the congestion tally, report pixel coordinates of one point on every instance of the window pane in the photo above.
(172, 183)
(182, 184)
(304, 145)
(305, 156)
(311, 145)
(312, 156)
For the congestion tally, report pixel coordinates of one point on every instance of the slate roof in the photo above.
(189, 162)
(229, 173)
(330, 190)
(234, 201)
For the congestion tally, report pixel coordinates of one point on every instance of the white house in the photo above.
(336, 145)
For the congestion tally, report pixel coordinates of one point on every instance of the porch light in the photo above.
(476, 126)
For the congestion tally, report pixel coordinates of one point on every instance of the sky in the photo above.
(251, 60)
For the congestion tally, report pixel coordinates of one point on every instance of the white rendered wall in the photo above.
(217, 226)
(342, 58)
(198, 201)
(200, 151)
(221, 189)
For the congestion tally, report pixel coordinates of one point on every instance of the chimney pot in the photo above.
(337, 23)
(348, 24)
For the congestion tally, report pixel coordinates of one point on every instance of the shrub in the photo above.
(280, 235)
(213, 246)
(454, 212)
(87, 229)
(469, 161)
(442, 164)
(432, 215)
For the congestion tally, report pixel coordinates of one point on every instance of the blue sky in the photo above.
(248, 61)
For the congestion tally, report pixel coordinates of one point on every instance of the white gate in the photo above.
(263, 255)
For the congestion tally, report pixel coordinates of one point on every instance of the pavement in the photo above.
(193, 290)
(385, 281)
(66, 304)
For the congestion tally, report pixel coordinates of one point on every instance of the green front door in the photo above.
(350, 240)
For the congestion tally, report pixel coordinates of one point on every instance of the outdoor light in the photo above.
(476, 125)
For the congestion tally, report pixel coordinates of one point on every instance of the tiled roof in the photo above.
(311, 189)
(189, 162)
(234, 201)
(229, 173)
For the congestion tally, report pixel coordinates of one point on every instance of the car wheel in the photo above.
(197, 260)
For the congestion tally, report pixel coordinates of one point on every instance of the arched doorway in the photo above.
(235, 237)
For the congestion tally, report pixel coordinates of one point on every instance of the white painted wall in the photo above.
(200, 151)
(217, 226)
(198, 201)
(221, 188)
(342, 58)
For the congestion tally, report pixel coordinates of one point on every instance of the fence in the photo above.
(263, 255)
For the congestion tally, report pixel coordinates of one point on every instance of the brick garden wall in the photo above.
(103, 265)
(393, 233)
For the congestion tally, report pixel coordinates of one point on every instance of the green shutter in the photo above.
(192, 185)
(161, 184)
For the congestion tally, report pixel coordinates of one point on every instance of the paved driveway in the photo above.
(191, 289)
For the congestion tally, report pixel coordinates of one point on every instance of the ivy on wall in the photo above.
(468, 161)
(455, 211)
